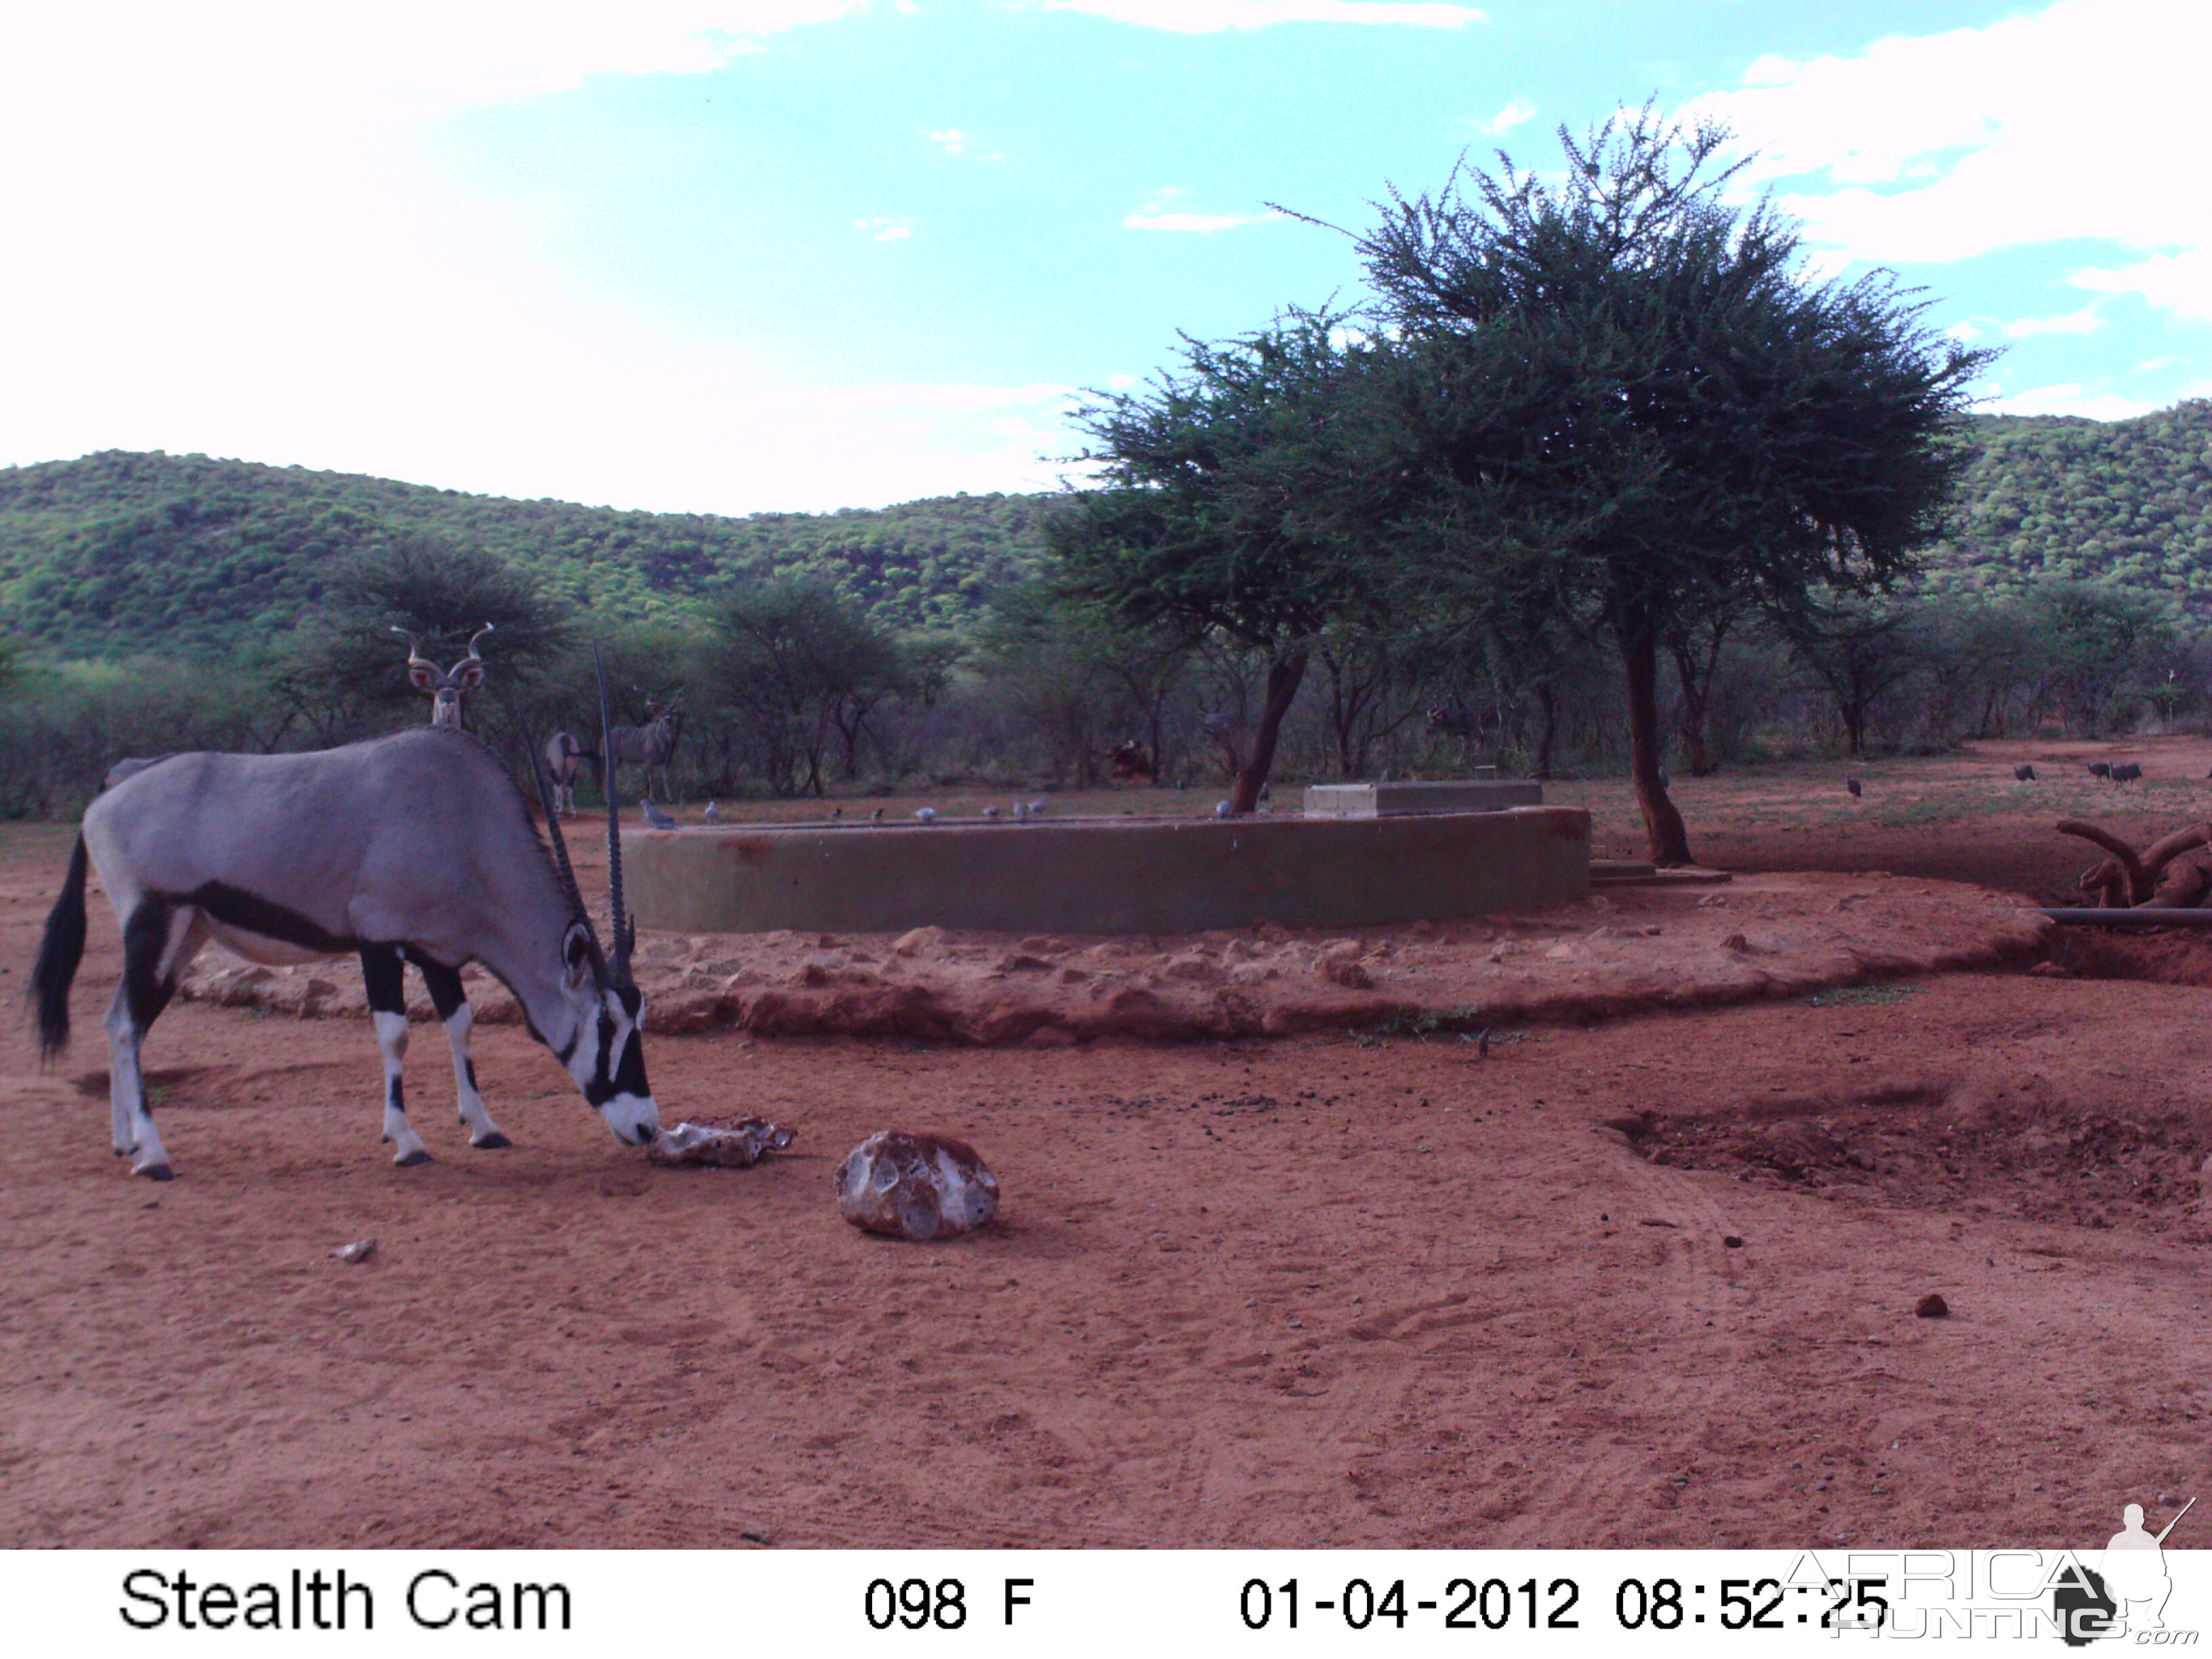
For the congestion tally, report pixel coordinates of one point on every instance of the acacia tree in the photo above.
(1220, 509)
(1620, 394)
(1070, 667)
(1860, 651)
(439, 592)
(800, 666)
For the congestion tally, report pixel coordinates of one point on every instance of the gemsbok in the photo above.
(412, 847)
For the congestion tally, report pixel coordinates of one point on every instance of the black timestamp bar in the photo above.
(1463, 1604)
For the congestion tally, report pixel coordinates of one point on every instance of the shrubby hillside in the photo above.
(118, 554)
(2070, 499)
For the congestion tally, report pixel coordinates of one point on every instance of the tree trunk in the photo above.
(1635, 628)
(1284, 674)
(1547, 699)
(1695, 690)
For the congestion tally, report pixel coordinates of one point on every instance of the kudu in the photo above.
(446, 687)
(651, 744)
(412, 847)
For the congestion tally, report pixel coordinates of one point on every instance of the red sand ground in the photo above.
(1643, 1279)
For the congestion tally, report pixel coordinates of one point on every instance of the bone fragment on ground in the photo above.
(721, 1143)
(915, 1186)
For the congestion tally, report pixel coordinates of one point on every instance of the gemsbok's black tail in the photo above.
(59, 952)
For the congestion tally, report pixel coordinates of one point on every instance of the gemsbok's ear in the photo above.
(422, 679)
(470, 674)
(576, 954)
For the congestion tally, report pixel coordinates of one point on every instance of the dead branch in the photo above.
(2139, 886)
(2130, 880)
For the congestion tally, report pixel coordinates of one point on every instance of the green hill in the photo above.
(180, 555)
(2049, 495)
(120, 553)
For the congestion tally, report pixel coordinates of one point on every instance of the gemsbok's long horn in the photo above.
(473, 638)
(623, 934)
(598, 960)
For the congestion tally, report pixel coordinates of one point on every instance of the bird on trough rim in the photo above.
(926, 814)
(836, 813)
(1221, 809)
(655, 818)
(2024, 772)
(1036, 808)
(992, 813)
(1854, 786)
(876, 817)
(712, 814)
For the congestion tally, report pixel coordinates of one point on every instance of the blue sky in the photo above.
(735, 256)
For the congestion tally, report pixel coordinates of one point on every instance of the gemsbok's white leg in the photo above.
(157, 942)
(451, 1003)
(391, 1042)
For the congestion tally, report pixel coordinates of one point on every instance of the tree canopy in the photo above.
(1220, 507)
(1619, 398)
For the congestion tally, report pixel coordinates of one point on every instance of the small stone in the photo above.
(359, 1250)
(919, 1187)
(1931, 1306)
(915, 940)
(1737, 943)
(1192, 967)
(1339, 965)
(1731, 1242)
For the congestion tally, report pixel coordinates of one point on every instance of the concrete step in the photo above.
(1624, 872)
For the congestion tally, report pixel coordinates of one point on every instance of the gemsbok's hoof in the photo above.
(492, 1142)
(153, 1171)
(409, 1160)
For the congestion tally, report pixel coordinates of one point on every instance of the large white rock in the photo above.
(918, 1186)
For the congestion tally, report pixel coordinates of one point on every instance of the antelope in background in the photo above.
(412, 847)
(651, 744)
(564, 758)
(446, 687)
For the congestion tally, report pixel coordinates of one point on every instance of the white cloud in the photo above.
(2067, 399)
(1158, 215)
(2084, 321)
(1211, 16)
(2181, 282)
(950, 395)
(951, 141)
(1506, 120)
(885, 230)
(2078, 121)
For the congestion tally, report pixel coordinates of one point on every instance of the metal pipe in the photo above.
(2146, 916)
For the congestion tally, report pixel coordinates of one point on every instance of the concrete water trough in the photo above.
(1106, 875)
